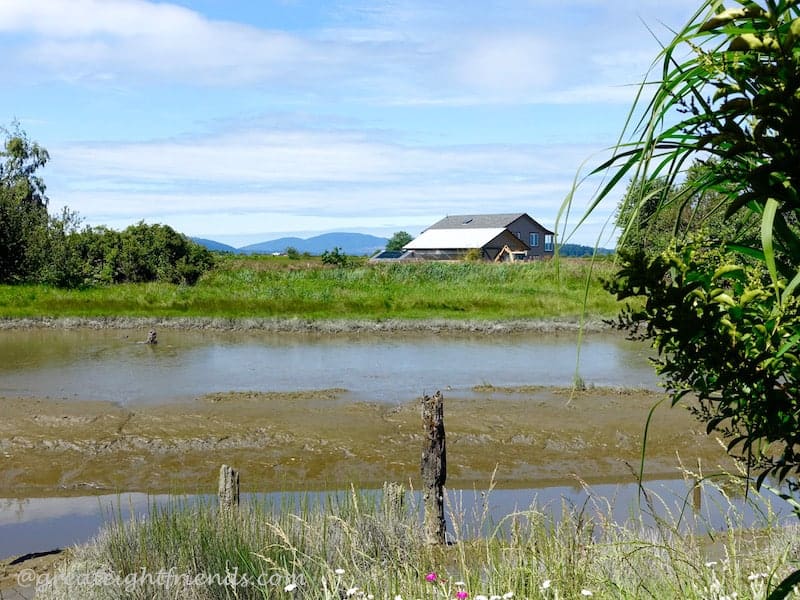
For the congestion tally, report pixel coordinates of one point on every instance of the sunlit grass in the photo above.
(352, 545)
(261, 288)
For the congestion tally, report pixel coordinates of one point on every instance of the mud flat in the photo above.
(309, 325)
(533, 437)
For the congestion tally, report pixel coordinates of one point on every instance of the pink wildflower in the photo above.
(431, 577)
(462, 595)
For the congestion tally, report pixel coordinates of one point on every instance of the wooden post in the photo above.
(697, 495)
(228, 489)
(434, 468)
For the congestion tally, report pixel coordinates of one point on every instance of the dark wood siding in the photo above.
(526, 226)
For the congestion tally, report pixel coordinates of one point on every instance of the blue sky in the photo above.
(245, 120)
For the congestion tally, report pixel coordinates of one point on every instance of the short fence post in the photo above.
(434, 468)
(228, 489)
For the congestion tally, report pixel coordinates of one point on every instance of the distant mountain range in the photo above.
(355, 244)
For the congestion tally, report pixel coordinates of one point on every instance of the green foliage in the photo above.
(23, 208)
(292, 253)
(473, 255)
(248, 287)
(654, 212)
(22, 159)
(141, 253)
(722, 337)
(335, 257)
(398, 240)
(63, 266)
(721, 300)
(38, 248)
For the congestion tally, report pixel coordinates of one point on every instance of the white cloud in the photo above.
(506, 51)
(72, 39)
(296, 157)
(253, 181)
(387, 59)
(508, 63)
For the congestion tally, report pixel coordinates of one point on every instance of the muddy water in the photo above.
(86, 409)
(113, 365)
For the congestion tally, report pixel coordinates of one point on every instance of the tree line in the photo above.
(37, 247)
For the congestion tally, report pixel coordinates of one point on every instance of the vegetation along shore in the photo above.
(280, 293)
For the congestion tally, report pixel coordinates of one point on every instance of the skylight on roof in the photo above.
(467, 220)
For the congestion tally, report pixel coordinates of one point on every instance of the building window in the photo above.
(518, 234)
(534, 242)
(548, 242)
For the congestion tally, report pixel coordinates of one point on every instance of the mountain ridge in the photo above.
(348, 243)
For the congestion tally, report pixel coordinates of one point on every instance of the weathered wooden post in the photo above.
(697, 495)
(434, 468)
(228, 489)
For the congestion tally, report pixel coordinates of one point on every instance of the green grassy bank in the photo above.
(275, 287)
(354, 546)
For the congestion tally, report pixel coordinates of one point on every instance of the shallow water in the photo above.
(113, 364)
(40, 524)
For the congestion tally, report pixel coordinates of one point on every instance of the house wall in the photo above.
(493, 248)
(523, 227)
(488, 252)
(439, 254)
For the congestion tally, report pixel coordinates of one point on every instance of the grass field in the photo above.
(278, 287)
(354, 546)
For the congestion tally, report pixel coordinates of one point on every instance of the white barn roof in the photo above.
(454, 239)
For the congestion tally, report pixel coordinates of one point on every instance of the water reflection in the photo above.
(114, 365)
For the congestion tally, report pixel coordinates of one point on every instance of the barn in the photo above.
(492, 236)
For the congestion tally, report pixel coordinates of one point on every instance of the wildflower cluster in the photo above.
(546, 589)
(458, 590)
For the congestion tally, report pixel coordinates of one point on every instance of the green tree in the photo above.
(398, 240)
(654, 213)
(37, 247)
(140, 253)
(335, 257)
(159, 253)
(23, 207)
(64, 265)
(723, 310)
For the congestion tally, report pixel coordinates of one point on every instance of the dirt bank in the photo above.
(534, 436)
(307, 325)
